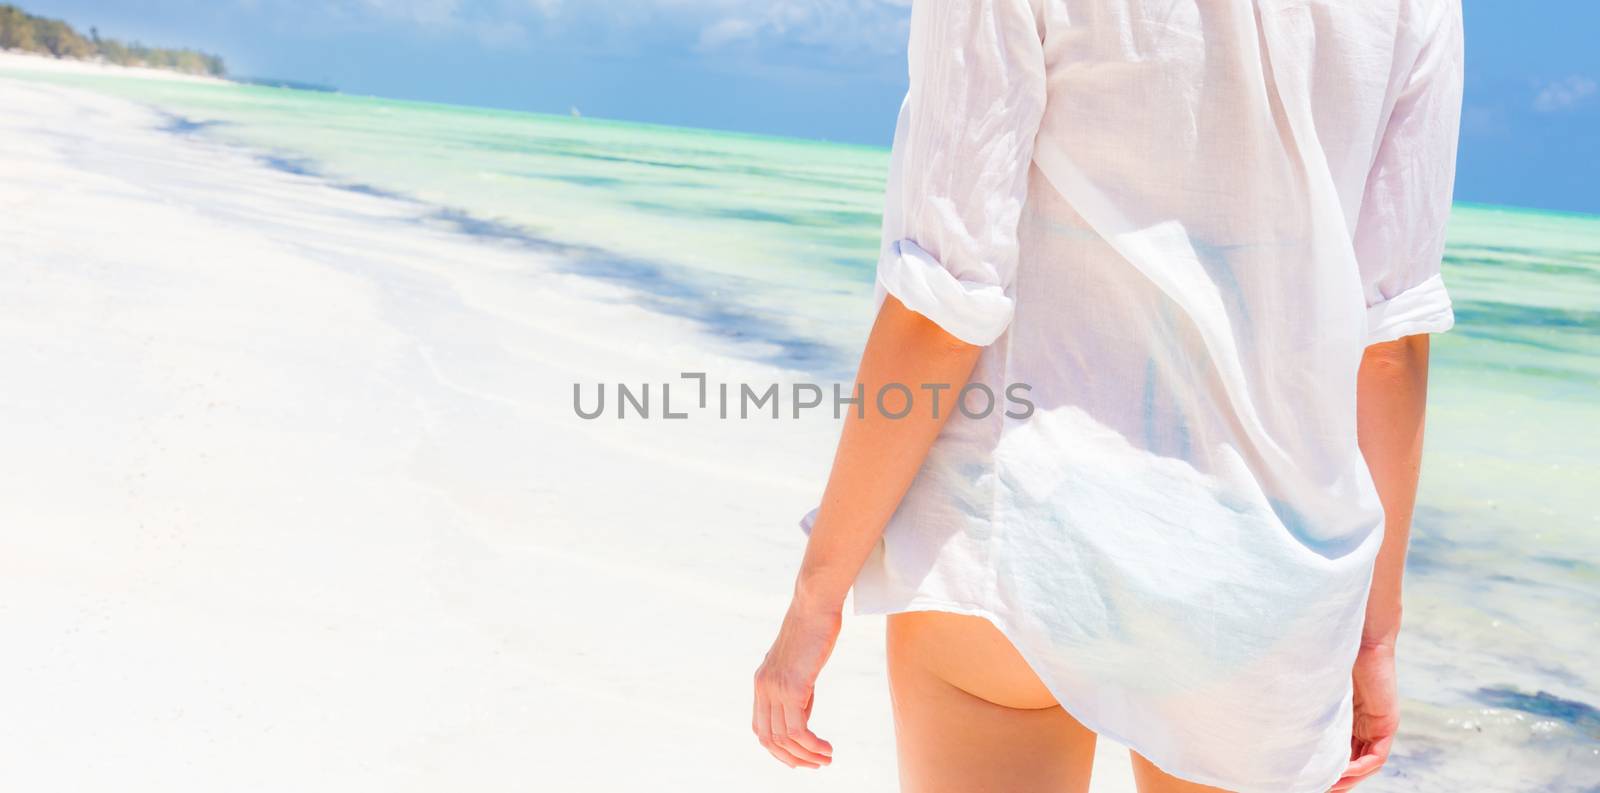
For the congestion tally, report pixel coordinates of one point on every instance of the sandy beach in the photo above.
(295, 498)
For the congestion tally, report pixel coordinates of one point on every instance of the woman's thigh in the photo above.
(1153, 780)
(970, 715)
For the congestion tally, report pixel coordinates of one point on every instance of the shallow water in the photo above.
(773, 240)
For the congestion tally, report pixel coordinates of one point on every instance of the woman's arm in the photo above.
(876, 461)
(1391, 396)
(878, 456)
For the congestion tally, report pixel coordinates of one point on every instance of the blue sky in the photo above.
(831, 69)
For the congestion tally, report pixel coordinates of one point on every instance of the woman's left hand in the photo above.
(786, 682)
(1377, 714)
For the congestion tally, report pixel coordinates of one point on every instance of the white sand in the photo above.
(292, 497)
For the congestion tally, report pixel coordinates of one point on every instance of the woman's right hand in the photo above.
(1377, 713)
(786, 683)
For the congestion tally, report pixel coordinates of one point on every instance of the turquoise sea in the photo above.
(774, 240)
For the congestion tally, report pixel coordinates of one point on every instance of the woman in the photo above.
(1202, 240)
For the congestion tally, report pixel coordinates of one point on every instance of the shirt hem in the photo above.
(1068, 704)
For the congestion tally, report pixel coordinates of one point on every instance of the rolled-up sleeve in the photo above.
(1400, 233)
(959, 176)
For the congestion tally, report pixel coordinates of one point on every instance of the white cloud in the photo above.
(850, 25)
(725, 31)
(421, 12)
(1565, 94)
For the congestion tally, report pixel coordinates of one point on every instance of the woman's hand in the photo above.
(786, 682)
(1377, 714)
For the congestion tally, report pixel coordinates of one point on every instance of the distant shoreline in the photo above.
(293, 85)
(22, 60)
(24, 32)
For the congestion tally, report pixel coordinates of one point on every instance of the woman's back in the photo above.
(1277, 172)
(1176, 226)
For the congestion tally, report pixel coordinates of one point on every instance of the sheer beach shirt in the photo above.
(1178, 225)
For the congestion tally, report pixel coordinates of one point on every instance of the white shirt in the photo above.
(1180, 222)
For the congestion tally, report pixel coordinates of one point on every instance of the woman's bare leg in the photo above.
(1153, 780)
(971, 716)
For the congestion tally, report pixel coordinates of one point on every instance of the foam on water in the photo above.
(777, 238)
